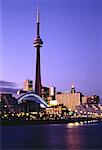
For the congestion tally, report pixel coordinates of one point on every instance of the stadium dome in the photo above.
(31, 96)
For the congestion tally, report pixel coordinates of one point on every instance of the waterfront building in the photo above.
(28, 106)
(22, 102)
(29, 102)
(8, 103)
(57, 110)
(45, 93)
(37, 44)
(48, 93)
(90, 99)
(52, 92)
(70, 100)
(84, 99)
(93, 100)
(94, 110)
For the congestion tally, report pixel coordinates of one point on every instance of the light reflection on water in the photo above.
(53, 136)
(76, 124)
(74, 139)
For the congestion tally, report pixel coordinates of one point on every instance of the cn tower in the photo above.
(37, 44)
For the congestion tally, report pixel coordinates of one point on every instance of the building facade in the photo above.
(90, 99)
(28, 85)
(70, 100)
(48, 93)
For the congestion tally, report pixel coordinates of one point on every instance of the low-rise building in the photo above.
(90, 99)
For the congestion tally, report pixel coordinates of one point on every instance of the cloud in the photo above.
(7, 84)
(8, 90)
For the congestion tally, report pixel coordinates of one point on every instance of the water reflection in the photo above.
(60, 136)
(74, 140)
(76, 124)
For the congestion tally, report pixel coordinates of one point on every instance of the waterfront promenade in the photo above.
(50, 121)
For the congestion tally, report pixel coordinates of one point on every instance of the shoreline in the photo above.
(39, 122)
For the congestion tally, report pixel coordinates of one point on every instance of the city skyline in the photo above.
(71, 32)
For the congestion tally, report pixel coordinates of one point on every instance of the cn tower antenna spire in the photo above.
(38, 21)
(38, 15)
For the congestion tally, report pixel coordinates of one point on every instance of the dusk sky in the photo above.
(71, 31)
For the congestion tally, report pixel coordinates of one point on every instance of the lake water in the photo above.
(56, 137)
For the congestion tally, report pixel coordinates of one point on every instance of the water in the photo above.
(58, 136)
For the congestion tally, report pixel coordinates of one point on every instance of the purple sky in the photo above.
(72, 51)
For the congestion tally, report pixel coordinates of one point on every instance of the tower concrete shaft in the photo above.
(38, 43)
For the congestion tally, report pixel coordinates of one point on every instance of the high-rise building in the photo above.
(38, 43)
(45, 93)
(52, 92)
(48, 93)
(70, 100)
(28, 85)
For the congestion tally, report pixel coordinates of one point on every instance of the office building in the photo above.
(28, 85)
(48, 93)
(45, 93)
(90, 99)
(70, 100)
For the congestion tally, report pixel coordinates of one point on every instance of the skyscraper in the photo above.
(38, 43)
(28, 85)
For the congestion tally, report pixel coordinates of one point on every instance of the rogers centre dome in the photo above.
(31, 96)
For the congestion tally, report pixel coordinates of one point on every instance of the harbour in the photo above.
(70, 136)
